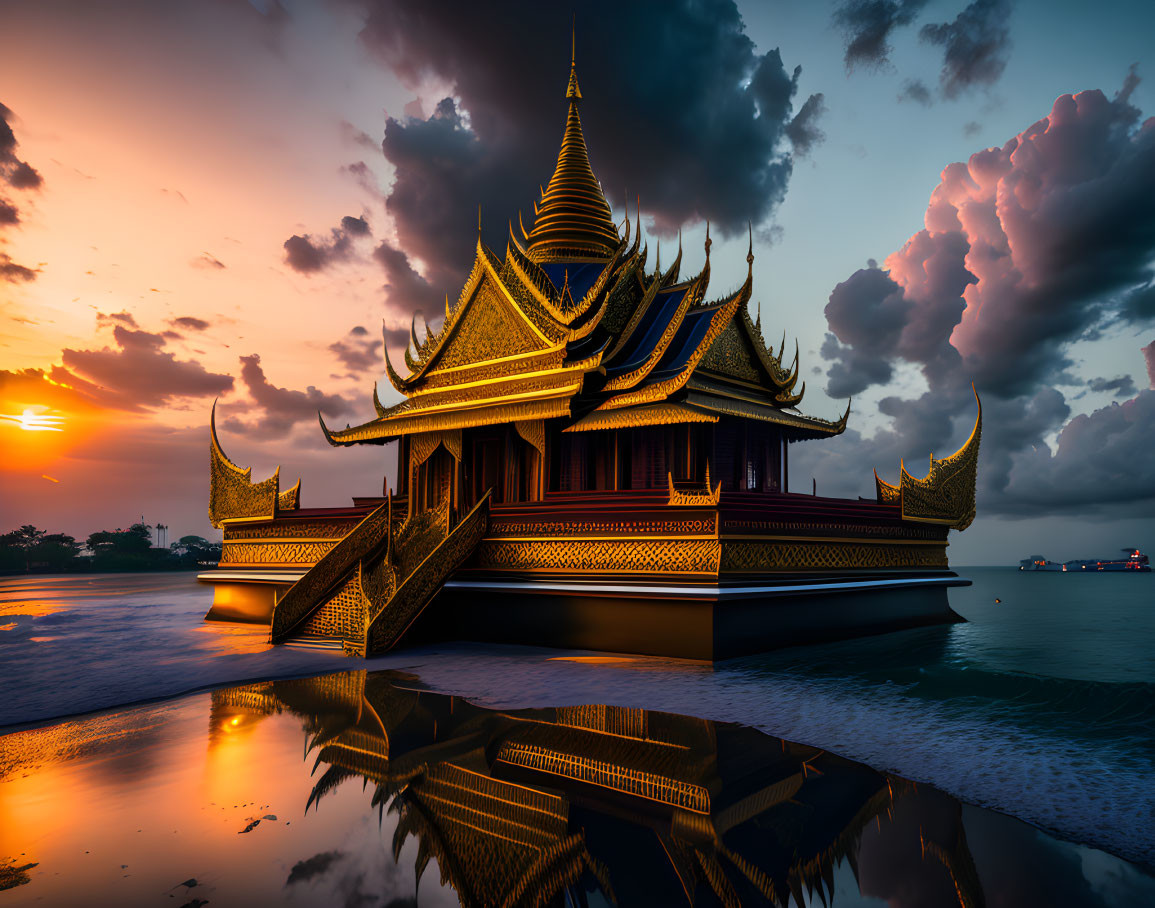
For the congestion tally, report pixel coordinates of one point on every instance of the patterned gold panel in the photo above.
(290, 499)
(703, 526)
(637, 556)
(743, 557)
(233, 553)
(294, 529)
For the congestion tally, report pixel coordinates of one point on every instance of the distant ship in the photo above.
(1132, 560)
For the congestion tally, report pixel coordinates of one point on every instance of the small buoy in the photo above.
(997, 601)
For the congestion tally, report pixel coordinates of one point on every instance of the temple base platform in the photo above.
(704, 622)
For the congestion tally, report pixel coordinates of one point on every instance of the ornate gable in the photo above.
(733, 355)
(490, 329)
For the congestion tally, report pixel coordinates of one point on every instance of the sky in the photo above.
(238, 200)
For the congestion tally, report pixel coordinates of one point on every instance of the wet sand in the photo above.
(301, 792)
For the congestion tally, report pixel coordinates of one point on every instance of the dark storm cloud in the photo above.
(280, 409)
(700, 125)
(21, 176)
(139, 373)
(1122, 386)
(868, 24)
(358, 352)
(975, 45)
(308, 254)
(1027, 250)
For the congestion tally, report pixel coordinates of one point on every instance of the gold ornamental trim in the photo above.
(818, 556)
(234, 497)
(660, 414)
(695, 556)
(947, 494)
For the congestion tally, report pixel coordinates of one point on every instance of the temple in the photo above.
(593, 451)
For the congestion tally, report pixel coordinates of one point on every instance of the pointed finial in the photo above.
(750, 248)
(658, 257)
(709, 242)
(479, 220)
(573, 92)
(758, 324)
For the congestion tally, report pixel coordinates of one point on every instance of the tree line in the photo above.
(32, 550)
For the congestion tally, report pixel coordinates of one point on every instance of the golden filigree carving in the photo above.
(634, 556)
(947, 494)
(488, 331)
(660, 414)
(731, 355)
(704, 526)
(695, 498)
(749, 556)
(273, 552)
(324, 530)
(233, 497)
(385, 430)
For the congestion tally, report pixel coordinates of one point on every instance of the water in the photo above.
(1039, 707)
(342, 789)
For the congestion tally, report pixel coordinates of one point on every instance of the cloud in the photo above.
(280, 409)
(138, 374)
(358, 352)
(14, 272)
(803, 131)
(706, 127)
(317, 865)
(19, 175)
(975, 46)
(1149, 358)
(307, 254)
(867, 26)
(915, 90)
(1122, 386)
(1027, 250)
(115, 318)
(191, 323)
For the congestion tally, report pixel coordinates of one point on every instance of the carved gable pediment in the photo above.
(733, 355)
(491, 328)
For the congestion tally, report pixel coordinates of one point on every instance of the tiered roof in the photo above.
(570, 324)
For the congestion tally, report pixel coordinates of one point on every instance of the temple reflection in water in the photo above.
(592, 805)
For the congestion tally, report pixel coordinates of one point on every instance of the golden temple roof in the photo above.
(573, 220)
(571, 325)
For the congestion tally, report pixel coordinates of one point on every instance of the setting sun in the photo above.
(31, 421)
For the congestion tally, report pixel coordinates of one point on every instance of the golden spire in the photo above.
(573, 219)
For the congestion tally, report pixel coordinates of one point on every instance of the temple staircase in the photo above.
(367, 591)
